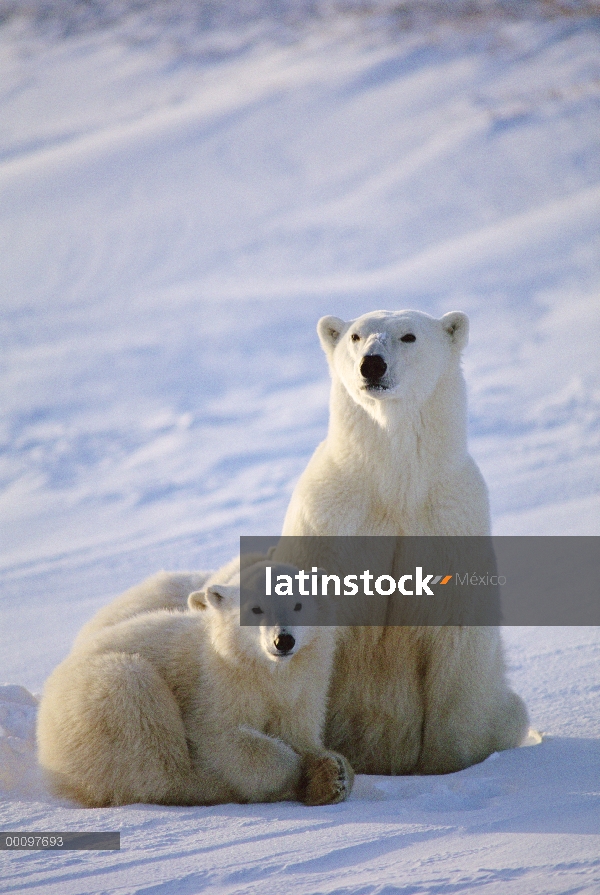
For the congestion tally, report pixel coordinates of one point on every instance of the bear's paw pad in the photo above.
(327, 779)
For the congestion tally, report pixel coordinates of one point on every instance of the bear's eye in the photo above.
(257, 610)
(409, 337)
(355, 337)
(297, 607)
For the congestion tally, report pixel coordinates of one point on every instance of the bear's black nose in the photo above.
(284, 643)
(373, 366)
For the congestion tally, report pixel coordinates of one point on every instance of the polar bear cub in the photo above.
(395, 462)
(188, 707)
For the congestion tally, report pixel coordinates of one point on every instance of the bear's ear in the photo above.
(220, 596)
(456, 325)
(329, 330)
(197, 600)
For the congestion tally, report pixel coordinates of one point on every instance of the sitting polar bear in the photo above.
(188, 707)
(395, 462)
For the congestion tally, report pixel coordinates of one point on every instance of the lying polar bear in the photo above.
(188, 707)
(395, 462)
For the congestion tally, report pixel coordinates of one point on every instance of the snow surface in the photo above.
(177, 210)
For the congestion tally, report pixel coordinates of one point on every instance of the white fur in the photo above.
(187, 707)
(395, 462)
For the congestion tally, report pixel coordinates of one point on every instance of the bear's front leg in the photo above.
(254, 767)
(326, 779)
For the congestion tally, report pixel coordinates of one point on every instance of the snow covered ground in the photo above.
(177, 210)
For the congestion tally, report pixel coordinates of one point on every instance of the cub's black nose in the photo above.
(373, 366)
(284, 643)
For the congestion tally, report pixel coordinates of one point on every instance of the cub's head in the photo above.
(275, 628)
(393, 355)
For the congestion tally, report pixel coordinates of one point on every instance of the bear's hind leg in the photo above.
(110, 733)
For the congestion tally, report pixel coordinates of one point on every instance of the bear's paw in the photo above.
(326, 779)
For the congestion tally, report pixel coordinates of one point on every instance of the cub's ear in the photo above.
(329, 330)
(197, 600)
(219, 596)
(456, 325)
